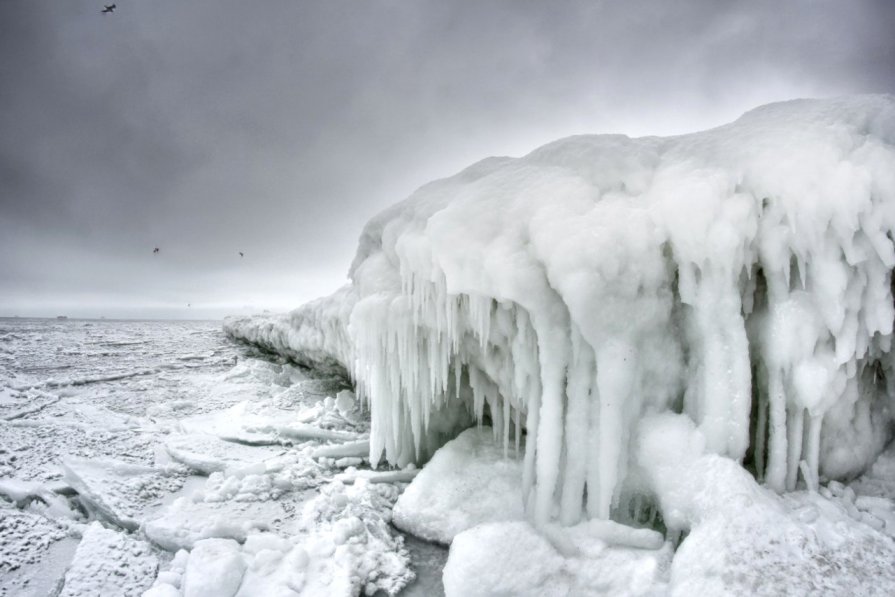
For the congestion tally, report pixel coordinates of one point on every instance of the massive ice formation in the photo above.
(741, 276)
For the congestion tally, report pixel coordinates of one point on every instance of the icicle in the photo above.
(775, 474)
(549, 436)
(615, 364)
(761, 432)
(811, 450)
(794, 421)
(576, 431)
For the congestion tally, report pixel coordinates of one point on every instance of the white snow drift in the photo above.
(740, 276)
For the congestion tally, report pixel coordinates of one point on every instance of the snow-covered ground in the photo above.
(164, 457)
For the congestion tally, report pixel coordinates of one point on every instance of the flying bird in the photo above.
(108, 8)
(155, 250)
(240, 254)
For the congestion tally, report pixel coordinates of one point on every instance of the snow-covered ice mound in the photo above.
(740, 275)
(739, 538)
(746, 540)
(879, 481)
(467, 482)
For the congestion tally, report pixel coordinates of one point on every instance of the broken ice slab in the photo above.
(189, 519)
(303, 431)
(207, 454)
(16, 404)
(351, 476)
(41, 497)
(110, 562)
(119, 492)
(360, 449)
(236, 424)
(260, 424)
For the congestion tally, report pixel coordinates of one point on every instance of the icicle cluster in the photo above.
(741, 275)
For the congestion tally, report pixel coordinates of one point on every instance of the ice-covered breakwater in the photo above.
(741, 276)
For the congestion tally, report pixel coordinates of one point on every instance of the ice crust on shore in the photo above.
(740, 275)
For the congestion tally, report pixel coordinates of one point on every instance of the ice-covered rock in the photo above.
(469, 481)
(740, 275)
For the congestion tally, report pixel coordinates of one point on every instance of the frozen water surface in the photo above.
(125, 443)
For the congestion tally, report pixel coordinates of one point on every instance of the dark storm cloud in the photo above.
(278, 129)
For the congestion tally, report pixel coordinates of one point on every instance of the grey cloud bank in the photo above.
(208, 128)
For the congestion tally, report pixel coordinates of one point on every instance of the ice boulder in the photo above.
(214, 569)
(469, 481)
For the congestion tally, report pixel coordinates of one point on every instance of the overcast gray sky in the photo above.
(278, 128)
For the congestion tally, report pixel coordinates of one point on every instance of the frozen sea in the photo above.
(123, 443)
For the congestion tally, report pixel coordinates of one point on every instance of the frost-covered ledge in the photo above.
(741, 276)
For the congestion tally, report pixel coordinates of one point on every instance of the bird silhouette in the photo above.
(155, 250)
(240, 254)
(108, 8)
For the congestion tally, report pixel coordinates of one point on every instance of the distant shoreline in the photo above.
(55, 318)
